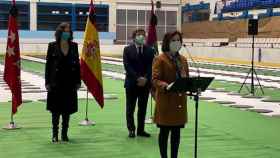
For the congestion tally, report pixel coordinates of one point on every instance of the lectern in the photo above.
(192, 86)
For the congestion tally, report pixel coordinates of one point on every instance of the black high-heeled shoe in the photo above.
(55, 139)
(65, 138)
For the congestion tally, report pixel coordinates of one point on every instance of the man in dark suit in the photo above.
(137, 59)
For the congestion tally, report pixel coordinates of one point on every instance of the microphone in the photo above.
(193, 61)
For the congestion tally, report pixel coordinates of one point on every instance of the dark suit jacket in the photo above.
(62, 74)
(137, 65)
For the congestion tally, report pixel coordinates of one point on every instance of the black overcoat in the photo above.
(62, 76)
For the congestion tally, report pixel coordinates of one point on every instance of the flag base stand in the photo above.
(11, 126)
(87, 122)
(149, 120)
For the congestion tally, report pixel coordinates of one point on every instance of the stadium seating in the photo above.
(240, 5)
(240, 42)
(215, 42)
(199, 6)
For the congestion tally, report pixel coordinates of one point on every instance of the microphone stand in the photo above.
(196, 99)
(193, 61)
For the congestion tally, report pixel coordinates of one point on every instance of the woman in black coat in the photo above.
(62, 79)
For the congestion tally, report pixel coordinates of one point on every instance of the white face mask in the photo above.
(175, 46)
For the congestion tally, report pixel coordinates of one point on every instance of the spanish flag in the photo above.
(91, 71)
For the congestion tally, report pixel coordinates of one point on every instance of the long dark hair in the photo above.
(167, 39)
(60, 29)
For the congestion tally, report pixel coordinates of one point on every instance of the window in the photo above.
(160, 32)
(148, 14)
(171, 28)
(121, 17)
(23, 18)
(121, 33)
(130, 20)
(121, 26)
(198, 12)
(141, 17)
(132, 17)
(50, 15)
(173, 20)
(102, 17)
(161, 17)
(130, 30)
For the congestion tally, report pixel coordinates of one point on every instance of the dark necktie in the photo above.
(140, 50)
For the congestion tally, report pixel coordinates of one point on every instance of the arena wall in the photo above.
(269, 56)
(228, 55)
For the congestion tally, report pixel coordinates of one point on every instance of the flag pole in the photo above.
(11, 125)
(86, 121)
(149, 120)
(87, 107)
(151, 41)
(12, 118)
(12, 68)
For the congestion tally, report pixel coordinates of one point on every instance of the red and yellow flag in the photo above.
(91, 71)
(12, 60)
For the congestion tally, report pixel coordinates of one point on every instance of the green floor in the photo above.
(272, 94)
(223, 132)
(269, 93)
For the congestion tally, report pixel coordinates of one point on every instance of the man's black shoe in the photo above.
(143, 134)
(131, 134)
